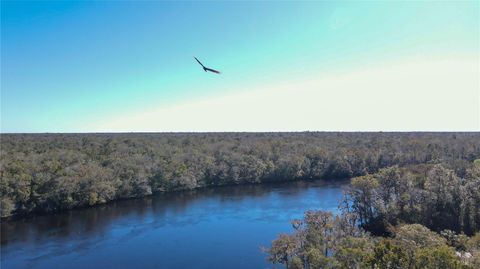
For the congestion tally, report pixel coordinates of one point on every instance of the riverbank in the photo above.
(43, 173)
(178, 230)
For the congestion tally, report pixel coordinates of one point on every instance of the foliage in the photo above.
(51, 172)
(386, 214)
(413, 247)
(433, 195)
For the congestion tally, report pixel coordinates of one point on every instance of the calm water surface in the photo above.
(214, 228)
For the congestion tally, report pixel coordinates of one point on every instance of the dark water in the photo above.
(215, 228)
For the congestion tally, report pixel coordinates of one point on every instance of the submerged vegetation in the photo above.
(418, 216)
(50, 172)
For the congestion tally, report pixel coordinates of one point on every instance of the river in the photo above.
(211, 228)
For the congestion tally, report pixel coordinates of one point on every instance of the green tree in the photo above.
(441, 257)
(283, 249)
(389, 255)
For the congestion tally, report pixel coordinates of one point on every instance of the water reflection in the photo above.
(37, 240)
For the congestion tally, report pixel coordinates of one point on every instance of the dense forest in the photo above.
(417, 216)
(50, 172)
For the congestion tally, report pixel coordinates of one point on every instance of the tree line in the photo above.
(50, 172)
(417, 216)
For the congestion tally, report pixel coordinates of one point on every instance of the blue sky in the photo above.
(128, 66)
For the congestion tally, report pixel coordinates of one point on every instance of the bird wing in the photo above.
(199, 62)
(212, 70)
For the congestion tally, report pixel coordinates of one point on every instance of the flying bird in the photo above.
(206, 68)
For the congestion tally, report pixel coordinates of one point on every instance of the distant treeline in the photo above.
(414, 217)
(50, 172)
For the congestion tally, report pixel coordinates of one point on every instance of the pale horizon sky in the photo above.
(286, 66)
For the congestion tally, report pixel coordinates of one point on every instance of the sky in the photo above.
(128, 66)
